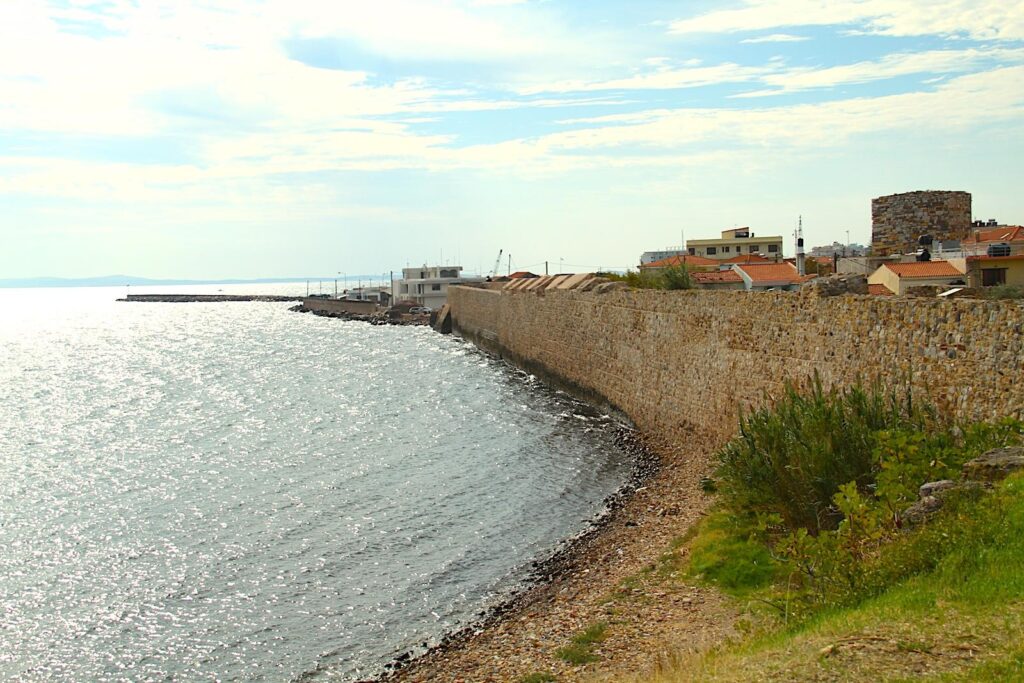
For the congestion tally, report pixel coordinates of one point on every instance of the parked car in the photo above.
(420, 309)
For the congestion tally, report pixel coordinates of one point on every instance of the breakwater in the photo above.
(682, 365)
(205, 298)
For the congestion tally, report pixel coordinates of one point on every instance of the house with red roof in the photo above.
(759, 277)
(690, 262)
(717, 279)
(899, 277)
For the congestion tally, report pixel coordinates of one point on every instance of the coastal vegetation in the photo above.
(1004, 292)
(817, 529)
(672, 277)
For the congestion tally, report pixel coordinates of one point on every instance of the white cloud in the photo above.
(890, 66)
(777, 38)
(987, 98)
(979, 19)
(661, 78)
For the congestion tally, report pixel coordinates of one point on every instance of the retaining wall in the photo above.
(681, 365)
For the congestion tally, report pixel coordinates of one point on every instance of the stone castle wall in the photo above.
(898, 220)
(681, 365)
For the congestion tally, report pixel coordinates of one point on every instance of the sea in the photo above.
(237, 492)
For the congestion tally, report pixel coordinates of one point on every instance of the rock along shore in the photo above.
(377, 318)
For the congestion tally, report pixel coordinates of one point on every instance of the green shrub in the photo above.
(792, 458)
(672, 277)
(676, 277)
(814, 488)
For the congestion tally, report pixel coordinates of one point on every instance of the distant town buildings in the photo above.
(830, 250)
(428, 285)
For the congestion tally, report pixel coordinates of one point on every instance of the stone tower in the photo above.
(898, 220)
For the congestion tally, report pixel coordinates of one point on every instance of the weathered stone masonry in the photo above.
(681, 365)
(898, 220)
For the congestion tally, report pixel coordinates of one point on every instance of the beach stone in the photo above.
(934, 487)
(994, 465)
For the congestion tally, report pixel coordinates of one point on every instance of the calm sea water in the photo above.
(237, 492)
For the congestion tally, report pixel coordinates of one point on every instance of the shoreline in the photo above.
(570, 589)
(609, 576)
(563, 561)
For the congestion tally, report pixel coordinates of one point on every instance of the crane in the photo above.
(497, 263)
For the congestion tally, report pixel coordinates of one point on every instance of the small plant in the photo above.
(577, 655)
(580, 651)
(593, 634)
(538, 677)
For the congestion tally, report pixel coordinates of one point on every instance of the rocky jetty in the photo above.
(205, 298)
(384, 317)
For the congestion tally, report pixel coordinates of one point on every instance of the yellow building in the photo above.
(737, 241)
(990, 271)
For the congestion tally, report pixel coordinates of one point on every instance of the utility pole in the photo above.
(545, 267)
(510, 264)
(307, 288)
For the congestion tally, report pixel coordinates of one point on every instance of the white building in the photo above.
(652, 256)
(428, 285)
(381, 295)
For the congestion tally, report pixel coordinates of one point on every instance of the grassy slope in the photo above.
(962, 621)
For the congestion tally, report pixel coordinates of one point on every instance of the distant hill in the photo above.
(122, 280)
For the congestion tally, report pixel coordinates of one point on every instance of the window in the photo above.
(754, 248)
(423, 275)
(435, 288)
(693, 252)
(773, 248)
(712, 251)
(449, 272)
(990, 277)
(725, 250)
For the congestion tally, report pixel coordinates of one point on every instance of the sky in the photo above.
(276, 138)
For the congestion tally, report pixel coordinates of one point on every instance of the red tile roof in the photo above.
(879, 290)
(770, 273)
(716, 276)
(522, 274)
(747, 258)
(1005, 233)
(924, 269)
(688, 260)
